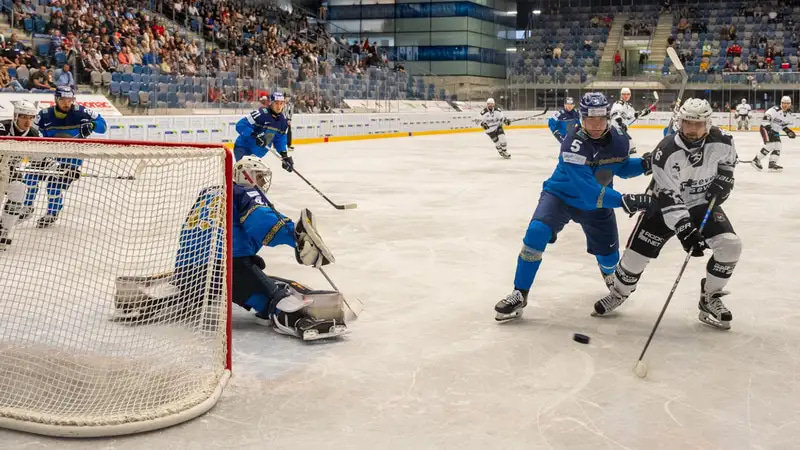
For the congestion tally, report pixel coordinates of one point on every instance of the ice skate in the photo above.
(504, 153)
(712, 311)
(313, 329)
(46, 221)
(510, 307)
(609, 303)
(775, 167)
(756, 163)
(25, 214)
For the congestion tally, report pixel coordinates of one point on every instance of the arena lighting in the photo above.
(537, 11)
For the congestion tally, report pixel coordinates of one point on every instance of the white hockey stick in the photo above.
(649, 108)
(673, 57)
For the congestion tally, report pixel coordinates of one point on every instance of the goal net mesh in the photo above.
(114, 319)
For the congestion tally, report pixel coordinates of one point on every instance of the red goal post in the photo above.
(117, 318)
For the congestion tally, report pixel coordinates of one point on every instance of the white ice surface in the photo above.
(430, 250)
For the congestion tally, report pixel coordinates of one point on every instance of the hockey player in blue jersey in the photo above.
(255, 224)
(580, 189)
(65, 119)
(564, 120)
(261, 128)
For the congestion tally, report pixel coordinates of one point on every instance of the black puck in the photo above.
(582, 338)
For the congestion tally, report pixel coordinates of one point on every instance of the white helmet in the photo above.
(25, 108)
(251, 171)
(744, 101)
(624, 91)
(490, 101)
(695, 109)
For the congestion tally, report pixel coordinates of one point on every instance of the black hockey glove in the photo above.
(485, 125)
(287, 162)
(261, 140)
(622, 125)
(507, 121)
(692, 241)
(632, 203)
(647, 163)
(558, 136)
(789, 133)
(720, 187)
(643, 113)
(87, 129)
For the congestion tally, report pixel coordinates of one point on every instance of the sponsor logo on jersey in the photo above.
(696, 159)
(650, 238)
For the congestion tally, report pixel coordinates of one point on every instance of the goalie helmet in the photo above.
(694, 110)
(251, 171)
(25, 108)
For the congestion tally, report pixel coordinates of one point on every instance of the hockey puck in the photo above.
(581, 338)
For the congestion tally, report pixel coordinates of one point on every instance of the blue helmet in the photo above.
(276, 97)
(64, 92)
(594, 104)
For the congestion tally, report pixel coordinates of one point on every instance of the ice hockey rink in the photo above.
(430, 250)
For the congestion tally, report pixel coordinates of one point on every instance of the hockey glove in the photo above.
(622, 125)
(261, 140)
(558, 136)
(287, 162)
(485, 125)
(87, 129)
(632, 203)
(309, 249)
(643, 113)
(789, 133)
(720, 187)
(507, 121)
(647, 163)
(692, 241)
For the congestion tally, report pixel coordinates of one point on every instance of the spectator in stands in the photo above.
(732, 32)
(666, 6)
(40, 80)
(704, 65)
(707, 49)
(773, 16)
(683, 25)
(617, 57)
(734, 50)
(743, 67)
(28, 59)
(66, 78)
(557, 52)
(587, 45)
(7, 81)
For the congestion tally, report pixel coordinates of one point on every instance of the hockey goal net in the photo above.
(115, 319)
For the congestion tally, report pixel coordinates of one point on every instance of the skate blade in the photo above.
(607, 314)
(711, 321)
(775, 170)
(755, 166)
(334, 332)
(500, 317)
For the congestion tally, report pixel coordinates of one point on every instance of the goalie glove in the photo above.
(310, 250)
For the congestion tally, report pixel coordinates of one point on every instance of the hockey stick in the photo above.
(531, 117)
(335, 205)
(673, 56)
(641, 367)
(651, 108)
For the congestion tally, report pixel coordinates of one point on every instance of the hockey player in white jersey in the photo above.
(622, 113)
(689, 169)
(11, 181)
(776, 119)
(743, 116)
(492, 120)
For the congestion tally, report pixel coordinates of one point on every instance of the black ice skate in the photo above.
(25, 214)
(504, 153)
(609, 303)
(712, 311)
(46, 221)
(756, 163)
(510, 307)
(312, 329)
(775, 167)
(5, 241)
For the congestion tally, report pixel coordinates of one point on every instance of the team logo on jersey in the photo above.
(719, 217)
(696, 159)
(676, 169)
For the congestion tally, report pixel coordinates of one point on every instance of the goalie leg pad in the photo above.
(310, 249)
(249, 280)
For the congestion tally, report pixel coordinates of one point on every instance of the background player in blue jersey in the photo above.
(255, 224)
(65, 119)
(564, 120)
(580, 190)
(261, 128)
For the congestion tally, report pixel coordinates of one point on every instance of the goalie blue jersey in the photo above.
(264, 122)
(256, 224)
(586, 168)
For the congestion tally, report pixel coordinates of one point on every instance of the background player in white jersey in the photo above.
(689, 169)
(743, 116)
(775, 119)
(622, 113)
(492, 120)
(10, 178)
